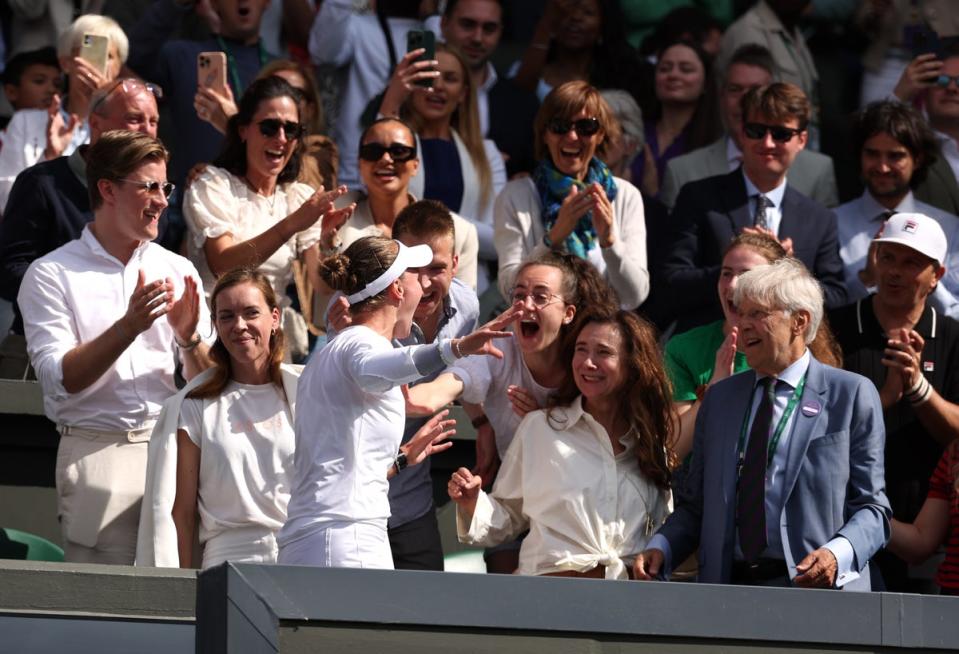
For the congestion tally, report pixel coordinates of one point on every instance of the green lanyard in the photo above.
(777, 433)
(234, 69)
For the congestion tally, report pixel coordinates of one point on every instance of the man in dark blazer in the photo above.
(709, 213)
(506, 111)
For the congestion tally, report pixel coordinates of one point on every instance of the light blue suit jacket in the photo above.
(834, 478)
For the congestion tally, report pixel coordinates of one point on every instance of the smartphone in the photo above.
(211, 70)
(416, 39)
(921, 39)
(94, 49)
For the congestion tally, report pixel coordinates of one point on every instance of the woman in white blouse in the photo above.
(234, 432)
(589, 477)
(248, 209)
(351, 417)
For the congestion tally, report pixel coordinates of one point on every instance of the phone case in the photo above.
(422, 39)
(211, 70)
(94, 49)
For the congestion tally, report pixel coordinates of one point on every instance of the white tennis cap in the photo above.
(917, 231)
(414, 257)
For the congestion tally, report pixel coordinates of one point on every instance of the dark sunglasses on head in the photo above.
(399, 152)
(780, 134)
(583, 126)
(270, 127)
(152, 186)
(943, 80)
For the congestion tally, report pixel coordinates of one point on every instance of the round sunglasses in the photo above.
(152, 186)
(399, 152)
(583, 126)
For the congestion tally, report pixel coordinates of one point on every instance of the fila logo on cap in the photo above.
(910, 226)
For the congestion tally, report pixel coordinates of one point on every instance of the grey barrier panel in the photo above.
(51, 607)
(251, 608)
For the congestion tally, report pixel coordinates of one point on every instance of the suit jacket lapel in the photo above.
(716, 157)
(736, 201)
(731, 432)
(790, 223)
(804, 425)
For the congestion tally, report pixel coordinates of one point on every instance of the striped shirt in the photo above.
(942, 486)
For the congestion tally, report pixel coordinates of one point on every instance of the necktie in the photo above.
(751, 500)
(882, 219)
(761, 220)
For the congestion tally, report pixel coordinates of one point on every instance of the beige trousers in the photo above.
(100, 477)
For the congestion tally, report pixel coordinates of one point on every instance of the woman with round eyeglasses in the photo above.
(552, 288)
(589, 477)
(572, 202)
(247, 209)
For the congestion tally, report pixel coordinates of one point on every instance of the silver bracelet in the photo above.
(189, 345)
(456, 348)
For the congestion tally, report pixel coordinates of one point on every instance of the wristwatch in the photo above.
(400, 461)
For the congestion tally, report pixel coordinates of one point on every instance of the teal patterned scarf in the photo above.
(553, 187)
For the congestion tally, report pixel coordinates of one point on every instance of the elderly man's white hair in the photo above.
(786, 285)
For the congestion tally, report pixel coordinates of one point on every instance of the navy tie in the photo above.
(751, 500)
(761, 219)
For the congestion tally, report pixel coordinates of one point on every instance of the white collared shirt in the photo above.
(482, 98)
(774, 213)
(73, 295)
(950, 150)
(584, 505)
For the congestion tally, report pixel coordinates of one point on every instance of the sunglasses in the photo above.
(583, 126)
(780, 134)
(399, 152)
(943, 81)
(152, 186)
(129, 85)
(270, 127)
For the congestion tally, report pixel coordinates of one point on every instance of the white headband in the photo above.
(414, 257)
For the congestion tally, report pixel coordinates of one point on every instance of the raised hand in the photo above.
(215, 107)
(575, 205)
(184, 314)
(463, 488)
(314, 208)
(59, 133)
(403, 81)
(725, 357)
(481, 340)
(602, 215)
(918, 76)
(428, 439)
(148, 302)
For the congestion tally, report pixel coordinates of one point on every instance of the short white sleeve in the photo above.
(210, 206)
(191, 420)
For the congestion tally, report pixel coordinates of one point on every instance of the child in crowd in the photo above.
(31, 79)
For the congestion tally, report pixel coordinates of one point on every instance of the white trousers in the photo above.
(100, 477)
(340, 545)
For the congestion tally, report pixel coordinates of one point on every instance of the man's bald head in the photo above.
(125, 104)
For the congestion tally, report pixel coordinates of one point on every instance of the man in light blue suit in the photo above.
(786, 484)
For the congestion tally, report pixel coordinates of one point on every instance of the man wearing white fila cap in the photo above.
(351, 411)
(910, 351)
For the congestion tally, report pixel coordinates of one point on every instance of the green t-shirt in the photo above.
(691, 356)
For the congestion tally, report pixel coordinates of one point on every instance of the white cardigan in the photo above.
(156, 537)
(519, 236)
(471, 206)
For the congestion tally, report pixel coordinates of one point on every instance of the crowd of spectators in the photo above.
(691, 273)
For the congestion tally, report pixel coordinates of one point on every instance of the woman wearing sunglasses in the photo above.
(572, 202)
(457, 166)
(247, 209)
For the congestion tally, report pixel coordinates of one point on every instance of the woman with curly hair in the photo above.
(590, 475)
